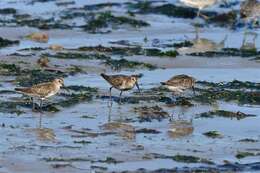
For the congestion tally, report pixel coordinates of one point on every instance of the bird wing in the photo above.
(116, 80)
(42, 89)
(184, 80)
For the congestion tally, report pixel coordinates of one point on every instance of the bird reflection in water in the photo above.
(202, 45)
(180, 128)
(249, 45)
(43, 134)
(118, 127)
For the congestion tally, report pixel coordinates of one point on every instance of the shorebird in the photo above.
(250, 10)
(42, 90)
(180, 83)
(43, 61)
(121, 83)
(202, 45)
(200, 4)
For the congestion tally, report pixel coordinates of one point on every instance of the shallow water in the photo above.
(75, 135)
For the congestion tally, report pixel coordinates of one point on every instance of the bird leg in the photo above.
(110, 94)
(40, 121)
(33, 105)
(41, 104)
(198, 13)
(120, 100)
(193, 89)
(204, 16)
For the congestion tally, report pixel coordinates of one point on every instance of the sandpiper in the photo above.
(200, 4)
(121, 82)
(180, 83)
(43, 61)
(250, 9)
(42, 90)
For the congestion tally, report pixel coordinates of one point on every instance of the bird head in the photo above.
(135, 78)
(59, 82)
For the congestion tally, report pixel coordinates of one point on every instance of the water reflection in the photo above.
(202, 45)
(249, 44)
(126, 131)
(43, 134)
(180, 128)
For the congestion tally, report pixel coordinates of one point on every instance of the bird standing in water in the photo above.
(121, 83)
(180, 83)
(42, 91)
(200, 4)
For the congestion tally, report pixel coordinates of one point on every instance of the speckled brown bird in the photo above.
(43, 61)
(180, 83)
(250, 9)
(43, 90)
(121, 82)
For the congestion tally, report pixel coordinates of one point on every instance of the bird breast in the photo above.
(126, 85)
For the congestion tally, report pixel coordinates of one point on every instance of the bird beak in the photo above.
(65, 88)
(138, 87)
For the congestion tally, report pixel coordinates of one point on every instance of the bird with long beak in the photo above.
(180, 83)
(42, 91)
(121, 83)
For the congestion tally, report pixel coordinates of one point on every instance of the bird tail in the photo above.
(138, 75)
(106, 77)
(163, 83)
(25, 90)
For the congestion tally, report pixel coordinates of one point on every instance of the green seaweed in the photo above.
(82, 142)
(248, 140)
(123, 63)
(59, 159)
(9, 69)
(183, 158)
(190, 159)
(241, 97)
(227, 52)
(31, 77)
(235, 84)
(72, 55)
(241, 155)
(105, 19)
(73, 99)
(227, 114)
(8, 11)
(224, 19)
(213, 134)
(6, 42)
(10, 107)
(110, 160)
(169, 10)
(147, 114)
(158, 52)
(95, 7)
(43, 23)
(183, 44)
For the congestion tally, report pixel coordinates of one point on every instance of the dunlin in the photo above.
(250, 10)
(43, 61)
(180, 83)
(200, 4)
(43, 90)
(121, 82)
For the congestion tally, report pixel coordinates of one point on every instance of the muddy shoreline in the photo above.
(214, 130)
